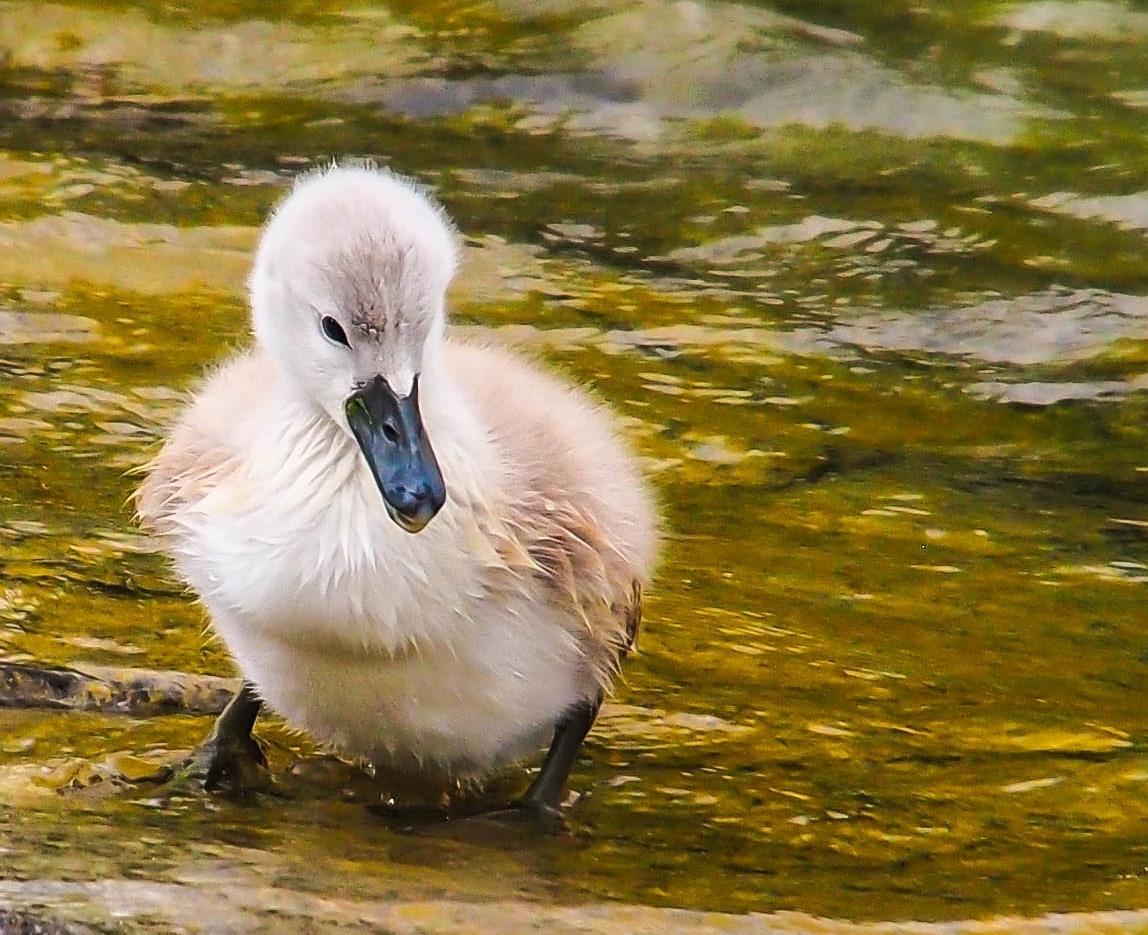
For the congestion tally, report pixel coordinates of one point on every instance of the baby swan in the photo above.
(425, 552)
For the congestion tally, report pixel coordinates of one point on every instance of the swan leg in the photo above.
(230, 757)
(543, 800)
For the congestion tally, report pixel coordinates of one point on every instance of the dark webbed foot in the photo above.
(483, 820)
(539, 810)
(539, 817)
(541, 804)
(230, 759)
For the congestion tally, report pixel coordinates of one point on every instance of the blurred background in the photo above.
(868, 284)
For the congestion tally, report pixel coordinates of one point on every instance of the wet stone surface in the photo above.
(869, 287)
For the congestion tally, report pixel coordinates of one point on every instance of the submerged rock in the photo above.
(114, 689)
(23, 923)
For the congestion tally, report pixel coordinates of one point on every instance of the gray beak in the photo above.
(389, 430)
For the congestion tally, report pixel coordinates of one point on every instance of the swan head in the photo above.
(348, 298)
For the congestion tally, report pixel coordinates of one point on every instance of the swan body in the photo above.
(421, 551)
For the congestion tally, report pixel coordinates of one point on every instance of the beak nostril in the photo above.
(389, 430)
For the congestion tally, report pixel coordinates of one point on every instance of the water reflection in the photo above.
(1048, 328)
(1096, 19)
(1129, 212)
(45, 328)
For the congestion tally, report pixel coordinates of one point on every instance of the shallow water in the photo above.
(870, 290)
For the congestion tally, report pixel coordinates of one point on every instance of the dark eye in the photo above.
(334, 331)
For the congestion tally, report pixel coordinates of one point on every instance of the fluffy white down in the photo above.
(449, 651)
